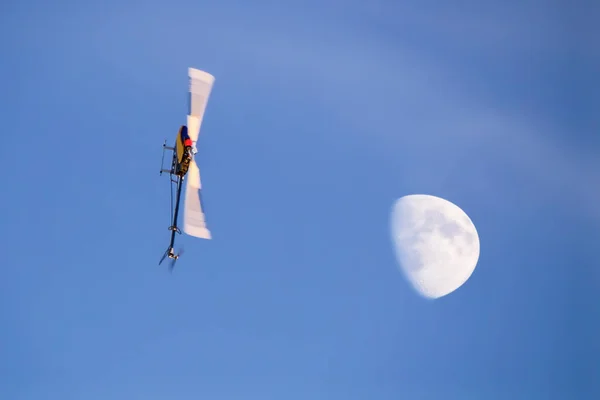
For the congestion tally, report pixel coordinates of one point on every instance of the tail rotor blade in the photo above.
(163, 257)
(174, 260)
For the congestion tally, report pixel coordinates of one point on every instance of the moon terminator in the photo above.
(436, 243)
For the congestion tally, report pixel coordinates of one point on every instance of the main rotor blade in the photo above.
(201, 84)
(194, 220)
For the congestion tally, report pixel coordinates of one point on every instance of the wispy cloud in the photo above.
(408, 101)
(396, 95)
(428, 88)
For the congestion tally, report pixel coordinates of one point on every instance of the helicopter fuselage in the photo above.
(183, 152)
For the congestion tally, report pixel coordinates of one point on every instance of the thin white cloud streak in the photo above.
(407, 105)
(400, 100)
(415, 109)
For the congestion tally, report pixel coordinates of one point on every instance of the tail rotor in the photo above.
(174, 259)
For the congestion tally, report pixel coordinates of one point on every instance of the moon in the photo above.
(436, 243)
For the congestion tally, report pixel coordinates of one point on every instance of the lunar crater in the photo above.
(436, 244)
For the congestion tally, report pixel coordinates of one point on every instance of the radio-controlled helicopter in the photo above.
(184, 166)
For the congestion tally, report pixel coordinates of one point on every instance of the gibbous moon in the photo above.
(436, 243)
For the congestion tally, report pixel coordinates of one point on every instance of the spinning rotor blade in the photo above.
(173, 261)
(163, 257)
(201, 84)
(194, 220)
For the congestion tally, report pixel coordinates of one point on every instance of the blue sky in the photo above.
(322, 114)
